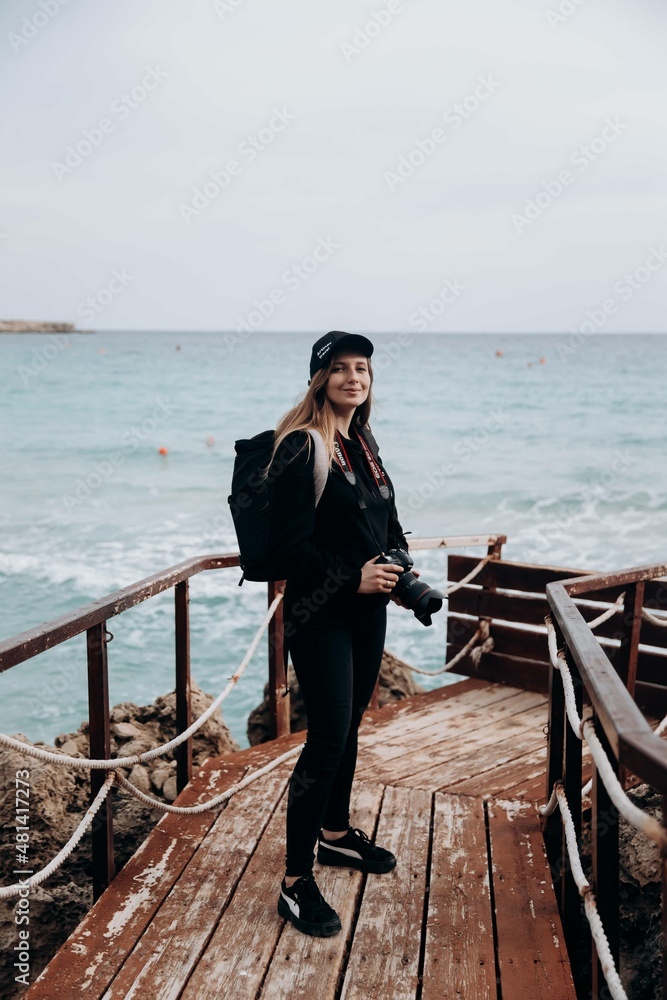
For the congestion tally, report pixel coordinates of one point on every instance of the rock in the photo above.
(396, 682)
(60, 795)
(125, 730)
(169, 790)
(37, 326)
(639, 891)
(140, 745)
(138, 777)
(159, 776)
(124, 711)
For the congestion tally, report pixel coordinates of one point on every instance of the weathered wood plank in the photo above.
(531, 947)
(96, 949)
(430, 743)
(481, 760)
(168, 951)
(420, 702)
(459, 954)
(485, 695)
(237, 955)
(528, 768)
(308, 967)
(384, 958)
(454, 758)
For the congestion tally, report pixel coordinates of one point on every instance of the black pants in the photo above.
(337, 663)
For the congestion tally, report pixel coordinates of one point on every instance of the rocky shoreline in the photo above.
(37, 326)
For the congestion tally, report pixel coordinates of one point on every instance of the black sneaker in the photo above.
(355, 850)
(306, 907)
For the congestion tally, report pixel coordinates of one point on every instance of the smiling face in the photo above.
(349, 381)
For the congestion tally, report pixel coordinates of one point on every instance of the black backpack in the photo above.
(250, 498)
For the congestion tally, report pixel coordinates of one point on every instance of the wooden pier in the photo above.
(449, 781)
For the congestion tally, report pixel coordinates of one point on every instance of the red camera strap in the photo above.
(343, 460)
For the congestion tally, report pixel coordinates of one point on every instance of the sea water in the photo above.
(557, 441)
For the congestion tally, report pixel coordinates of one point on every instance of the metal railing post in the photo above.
(663, 866)
(553, 824)
(100, 748)
(279, 702)
(629, 635)
(605, 861)
(183, 753)
(575, 926)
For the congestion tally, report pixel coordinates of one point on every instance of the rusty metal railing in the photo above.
(93, 618)
(604, 679)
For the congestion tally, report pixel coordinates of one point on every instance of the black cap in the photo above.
(337, 341)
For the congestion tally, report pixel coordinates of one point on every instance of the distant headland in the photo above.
(37, 326)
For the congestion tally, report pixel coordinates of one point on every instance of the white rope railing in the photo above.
(609, 613)
(653, 619)
(558, 798)
(637, 817)
(64, 853)
(141, 758)
(113, 765)
(560, 663)
(585, 729)
(658, 731)
(211, 803)
(641, 820)
(482, 632)
(480, 635)
(470, 576)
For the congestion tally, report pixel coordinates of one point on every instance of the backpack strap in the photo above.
(321, 470)
(372, 443)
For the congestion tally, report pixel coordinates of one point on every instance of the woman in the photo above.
(335, 604)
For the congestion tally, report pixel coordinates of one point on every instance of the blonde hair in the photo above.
(315, 410)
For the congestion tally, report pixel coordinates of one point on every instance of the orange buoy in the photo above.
(543, 361)
(499, 354)
(162, 451)
(210, 440)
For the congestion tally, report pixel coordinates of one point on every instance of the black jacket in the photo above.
(325, 547)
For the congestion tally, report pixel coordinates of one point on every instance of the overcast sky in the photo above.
(397, 165)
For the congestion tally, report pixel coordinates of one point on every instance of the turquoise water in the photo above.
(566, 457)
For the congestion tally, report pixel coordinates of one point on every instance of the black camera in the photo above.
(419, 597)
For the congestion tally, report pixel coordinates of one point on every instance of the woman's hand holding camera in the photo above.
(378, 578)
(397, 600)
